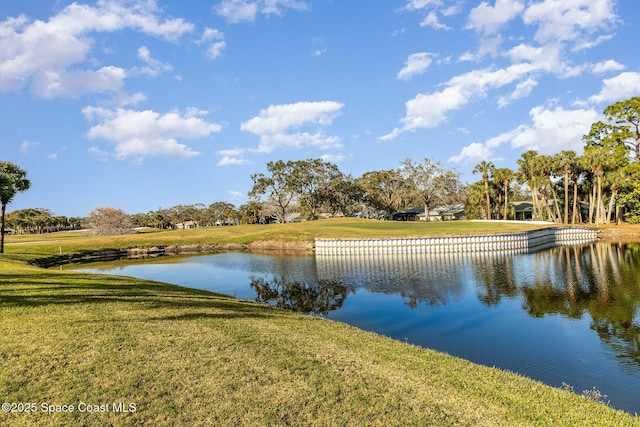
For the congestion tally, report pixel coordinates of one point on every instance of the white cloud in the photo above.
(523, 89)
(211, 34)
(432, 8)
(64, 83)
(550, 131)
(569, 20)
(143, 133)
(416, 64)
(215, 49)
(428, 110)
(333, 158)
(27, 146)
(232, 157)
(432, 20)
(622, 86)
(274, 125)
(235, 11)
(319, 52)
(489, 19)
(278, 118)
(276, 6)
(101, 154)
(606, 66)
(421, 4)
(472, 154)
(431, 109)
(557, 24)
(555, 130)
(50, 56)
(154, 67)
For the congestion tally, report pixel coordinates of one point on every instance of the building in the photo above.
(436, 213)
(523, 210)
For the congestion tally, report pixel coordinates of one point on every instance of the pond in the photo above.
(566, 315)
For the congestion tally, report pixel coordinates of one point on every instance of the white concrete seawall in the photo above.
(521, 242)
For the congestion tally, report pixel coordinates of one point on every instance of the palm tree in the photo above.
(565, 162)
(598, 161)
(485, 168)
(577, 174)
(529, 173)
(504, 177)
(12, 180)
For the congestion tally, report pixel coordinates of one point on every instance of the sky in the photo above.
(147, 104)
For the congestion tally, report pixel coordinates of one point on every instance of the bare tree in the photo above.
(109, 221)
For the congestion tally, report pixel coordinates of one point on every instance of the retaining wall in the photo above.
(522, 242)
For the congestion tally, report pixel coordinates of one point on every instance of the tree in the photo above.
(310, 179)
(597, 160)
(250, 212)
(565, 162)
(630, 196)
(13, 180)
(528, 173)
(603, 153)
(109, 222)
(343, 195)
(277, 186)
(545, 166)
(384, 190)
(428, 182)
(485, 168)
(222, 213)
(504, 177)
(475, 206)
(626, 114)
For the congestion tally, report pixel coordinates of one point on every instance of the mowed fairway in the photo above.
(92, 345)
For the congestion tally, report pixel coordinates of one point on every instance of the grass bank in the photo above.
(186, 357)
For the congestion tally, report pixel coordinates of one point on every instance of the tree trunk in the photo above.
(555, 204)
(614, 193)
(548, 207)
(577, 212)
(534, 199)
(4, 209)
(506, 201)
(599, 213)
(592, 197)
(566, 198)
(486, 192)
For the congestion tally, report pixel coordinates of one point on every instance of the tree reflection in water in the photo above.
(301, 297)
(601, 280)
(431, 279)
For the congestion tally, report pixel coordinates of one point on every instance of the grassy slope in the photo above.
(188, 357)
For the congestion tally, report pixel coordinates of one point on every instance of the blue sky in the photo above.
(143, 104)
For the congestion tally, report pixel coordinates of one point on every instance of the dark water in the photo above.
(564, 315)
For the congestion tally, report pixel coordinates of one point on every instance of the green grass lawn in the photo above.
(187, 357)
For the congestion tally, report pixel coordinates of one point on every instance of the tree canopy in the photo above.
(13, 180)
